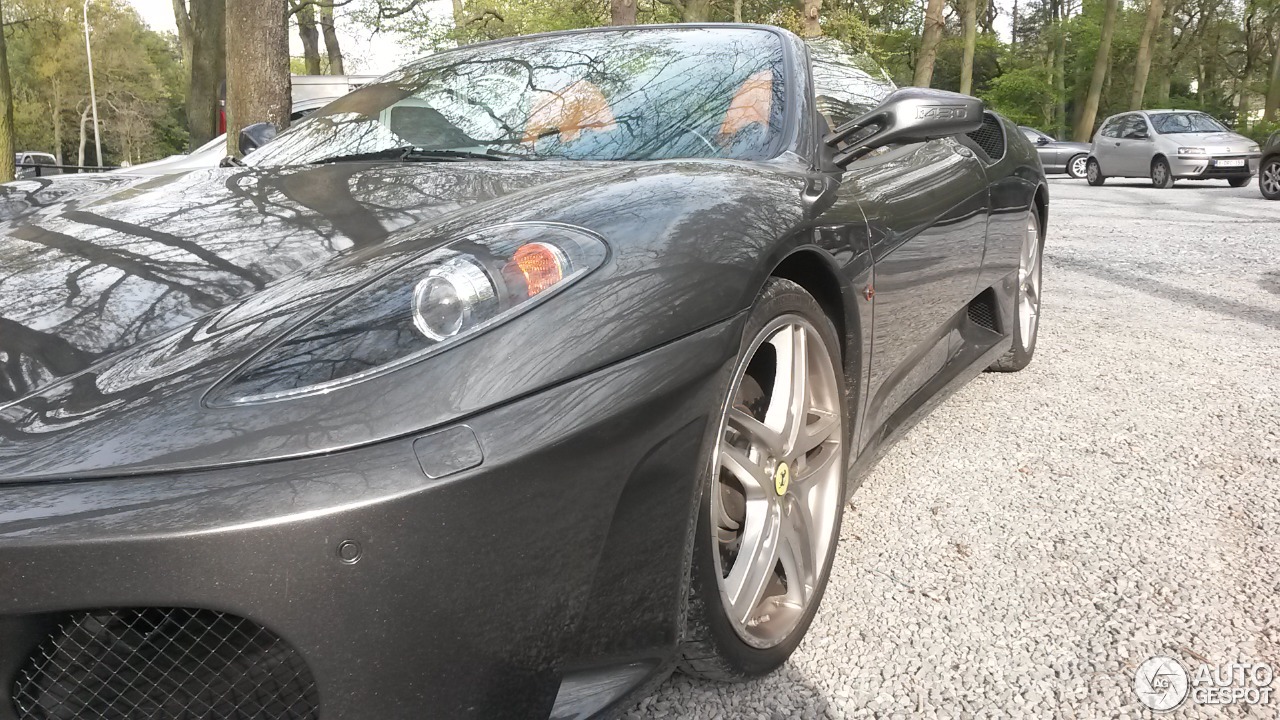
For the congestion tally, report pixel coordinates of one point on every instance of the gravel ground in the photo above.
(1026, 546)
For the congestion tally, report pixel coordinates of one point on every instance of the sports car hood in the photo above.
(125, 300)
(93, 267)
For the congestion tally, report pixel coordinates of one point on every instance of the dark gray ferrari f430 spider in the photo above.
(499, 388)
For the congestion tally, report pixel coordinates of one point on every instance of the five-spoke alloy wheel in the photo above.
(776, 499)
(1026, 309)
(773, 501)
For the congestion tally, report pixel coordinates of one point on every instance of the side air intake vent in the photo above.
(982, 311)
(990, 137)
(164, 663)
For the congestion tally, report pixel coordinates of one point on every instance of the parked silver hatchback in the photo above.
(1165, 145)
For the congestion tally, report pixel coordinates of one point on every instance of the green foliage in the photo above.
(1020, 95)
(141, 83)
(986, 63)
(1262, 130)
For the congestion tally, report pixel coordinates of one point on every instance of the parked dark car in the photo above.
(498, 388)
(1269, 168)
(1059, 156)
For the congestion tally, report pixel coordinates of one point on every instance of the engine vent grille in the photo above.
(982, 311)
(990, 137)
(164, 664)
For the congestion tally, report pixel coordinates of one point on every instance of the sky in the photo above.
(362, 52)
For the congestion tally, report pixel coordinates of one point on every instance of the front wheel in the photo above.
(774, 493)
(1269, 179)
(1093, 171)
(1026, 305)
(1161, 175)
(1238, 181)
(1078, 166)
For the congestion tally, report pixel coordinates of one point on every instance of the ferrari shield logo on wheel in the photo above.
(782, 478)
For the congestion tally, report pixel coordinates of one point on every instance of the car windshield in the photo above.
(1185, 122)
(613, 95)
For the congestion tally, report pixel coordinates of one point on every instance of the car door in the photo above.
(921, 209)
(1133, 147)
(1051, 153)
(1113, 156)
(1105, 146)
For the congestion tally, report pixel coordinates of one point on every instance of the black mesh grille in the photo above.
(982, 311)
(990, 137)
(164, 664)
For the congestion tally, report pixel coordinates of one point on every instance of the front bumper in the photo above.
(470, 595)
(1208, 167)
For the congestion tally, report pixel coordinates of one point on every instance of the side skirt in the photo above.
(979, 348)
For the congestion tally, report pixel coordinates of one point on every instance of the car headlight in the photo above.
(423, 306)
(1254, 149)
(1191, 151)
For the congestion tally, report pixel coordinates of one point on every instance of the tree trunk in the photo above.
(1242, 108)
(1207, 88)
(737, 11)
(57, 120)
(208, 69)
(696, 11)
(622, 12)
(929, 41)
(1164, 58)
(182, 19)
(1013, 26)
(6, 111)
(1273, 91)
(331, 46)
(309, 35)
(1060, 73)
(257, 66)
(809, 25)
(84, 135)
(1142, 66)
(969, 19)
(1101, 64)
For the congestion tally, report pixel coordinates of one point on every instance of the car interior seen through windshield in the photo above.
(637, 95)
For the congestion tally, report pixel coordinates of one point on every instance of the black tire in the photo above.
(1269, 178)
(1094, 173)
(1238, 182)
(1073, 171)
(710, 648)
(1020, 354)
(1161, 174)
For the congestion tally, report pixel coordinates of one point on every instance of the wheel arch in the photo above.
(814, 271)
(1041, 201)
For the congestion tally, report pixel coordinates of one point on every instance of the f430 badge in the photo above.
(942, 112)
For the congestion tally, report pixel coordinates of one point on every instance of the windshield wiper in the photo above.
(412, 154)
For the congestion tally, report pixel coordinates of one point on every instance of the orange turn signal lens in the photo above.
(542, 266)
